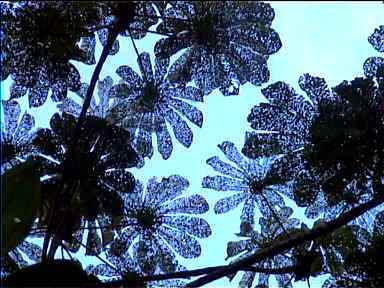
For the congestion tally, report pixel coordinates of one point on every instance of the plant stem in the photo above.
(51, 216)
(113, 33)
(293, 240)
(55, 243)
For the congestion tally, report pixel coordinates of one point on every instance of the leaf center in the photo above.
(256, 186)
(204, 31)
(150, 97)
(147, 218)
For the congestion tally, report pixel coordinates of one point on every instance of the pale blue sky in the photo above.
(324, 39)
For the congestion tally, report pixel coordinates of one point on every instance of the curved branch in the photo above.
(290, 242)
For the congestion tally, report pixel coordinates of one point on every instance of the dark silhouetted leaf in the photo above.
(20, 201)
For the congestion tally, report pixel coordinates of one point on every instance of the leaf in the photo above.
(377, 39)
(304, 189)
(32, 250)
(21, 195)
(261, 144)
(236, 247)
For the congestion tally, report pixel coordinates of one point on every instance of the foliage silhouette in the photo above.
(323, 150)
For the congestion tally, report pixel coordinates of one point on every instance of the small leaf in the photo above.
(21, 195)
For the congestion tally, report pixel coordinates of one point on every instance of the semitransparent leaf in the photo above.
(20, 201)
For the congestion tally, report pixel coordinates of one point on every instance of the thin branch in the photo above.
(138, 56)
(55, 240)
(135, 29)
(155, 32)
(47, 236)
(187, 21)
(293, 240)
(66, 250)
(44, 229)
(95, 29)
(55, 243)
(289, 282)
(44, 253)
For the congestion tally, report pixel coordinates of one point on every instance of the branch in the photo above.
(202, 271)
(290, 242)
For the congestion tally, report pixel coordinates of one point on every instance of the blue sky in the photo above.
(324, 39)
